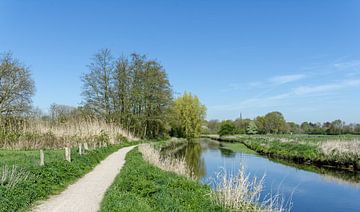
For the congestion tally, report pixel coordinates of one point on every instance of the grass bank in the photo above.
(338, 152)
(143, 187)
(26, 182)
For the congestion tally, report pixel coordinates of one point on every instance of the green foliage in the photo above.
(227, 128)
(142, 187)
(252, 128)
(300, 148)
(49, 179)
(187, 116)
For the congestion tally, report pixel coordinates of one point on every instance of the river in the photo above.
(308, 188)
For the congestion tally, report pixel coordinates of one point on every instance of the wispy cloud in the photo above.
(325, 88)
(279, 80)
(297, 92)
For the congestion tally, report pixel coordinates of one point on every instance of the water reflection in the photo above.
(192, 154)
(314, 189)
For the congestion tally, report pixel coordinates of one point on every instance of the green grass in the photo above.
(29, 158)
(50, 179)
(143, 187)
(298, 148)
(238, 147)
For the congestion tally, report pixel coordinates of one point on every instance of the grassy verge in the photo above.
(143, 187)
(238, 147)
(303, 149)
(50, 179)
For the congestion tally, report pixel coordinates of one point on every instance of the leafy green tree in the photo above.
(227, 128)
(260, 123)
(275, 123)
(252, 128)
(187, 115)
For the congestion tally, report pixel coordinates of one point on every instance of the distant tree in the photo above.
(293, 127)
(275, 123)
(227, 128)
(260, 123)
(61, 113)
(187, 115)
(252, 128)
(16, 86)
(241, 125)
(213, 126)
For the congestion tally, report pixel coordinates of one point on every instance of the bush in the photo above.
(227, 128)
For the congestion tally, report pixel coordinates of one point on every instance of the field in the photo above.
(340, 151)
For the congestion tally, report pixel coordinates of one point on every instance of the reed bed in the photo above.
(154, 157)
(240, 192)
(341, 148)
(36, 134)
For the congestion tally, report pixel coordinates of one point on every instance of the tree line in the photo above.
(131, 91)
(275, 123)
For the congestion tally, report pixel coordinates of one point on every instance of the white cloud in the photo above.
(286, 78)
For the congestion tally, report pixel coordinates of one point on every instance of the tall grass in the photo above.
(81, 128)
(341, 148)
(11, 176)
(35, 134)
(154, 157)
(242, 193)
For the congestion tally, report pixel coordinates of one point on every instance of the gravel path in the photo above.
(86, 194)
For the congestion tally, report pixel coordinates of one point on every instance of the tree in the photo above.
(97, 88)
(61, 113)
(275, 123)
(157, 96)
(16, 86)
(260, 123)
(252, 128)
(227, 128)
(293, 127)
(241, 125)
(187, 115)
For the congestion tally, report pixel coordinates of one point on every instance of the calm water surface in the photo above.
(309, 190)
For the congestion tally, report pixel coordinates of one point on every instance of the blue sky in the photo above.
(251, 57)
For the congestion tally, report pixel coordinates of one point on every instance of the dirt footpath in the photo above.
(87, 193)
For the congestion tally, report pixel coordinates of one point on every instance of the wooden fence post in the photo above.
(86, 147)
(68, 154)
(42, 158)
(80, 149)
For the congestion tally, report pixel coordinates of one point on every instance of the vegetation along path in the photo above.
(87, 193)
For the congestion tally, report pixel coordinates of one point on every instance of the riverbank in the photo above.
(31, 182)
(335, 152)
(143, 187)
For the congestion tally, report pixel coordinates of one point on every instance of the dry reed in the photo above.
(341, 148)
(11, 176)
(153, 156)
(242, 193)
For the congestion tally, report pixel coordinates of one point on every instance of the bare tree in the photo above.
(16, 86)
(98, 83)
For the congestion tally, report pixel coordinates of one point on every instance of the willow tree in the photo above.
(16, 86)
(187, 115)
